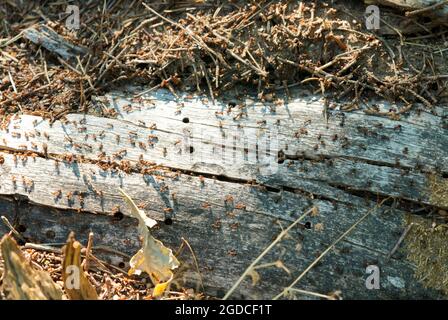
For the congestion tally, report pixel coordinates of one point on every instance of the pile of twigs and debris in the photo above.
(40, 267)
(211, 46)
(74, 272)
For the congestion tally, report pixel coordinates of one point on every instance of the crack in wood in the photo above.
(74, 166)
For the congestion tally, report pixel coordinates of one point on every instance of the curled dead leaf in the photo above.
(154, 258)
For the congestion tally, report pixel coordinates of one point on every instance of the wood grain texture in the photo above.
(365, 153)
(228, 208)
(226, 239)
(299, 123)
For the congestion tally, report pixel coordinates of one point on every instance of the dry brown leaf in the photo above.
(20, 280)
(76, 284)
(137, 213)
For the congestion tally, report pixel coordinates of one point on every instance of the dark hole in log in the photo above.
(21, 228)
(281, 157)
(141, 66)
(191, 149)
(185, 120)
(168, 221)
(220, 293)
(118, 215)
(50, 234)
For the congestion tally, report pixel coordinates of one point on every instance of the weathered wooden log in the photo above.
(437, 9)
(355, 150)
(172, 159)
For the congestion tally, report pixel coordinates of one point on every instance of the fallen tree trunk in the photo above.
(170, 158)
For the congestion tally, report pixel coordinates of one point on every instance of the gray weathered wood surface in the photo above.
(53, 42)
(235, 210)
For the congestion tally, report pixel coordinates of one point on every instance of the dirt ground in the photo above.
(211, 47)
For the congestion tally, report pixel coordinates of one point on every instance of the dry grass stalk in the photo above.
(211, 47)
(272, 245)
(323, 254)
